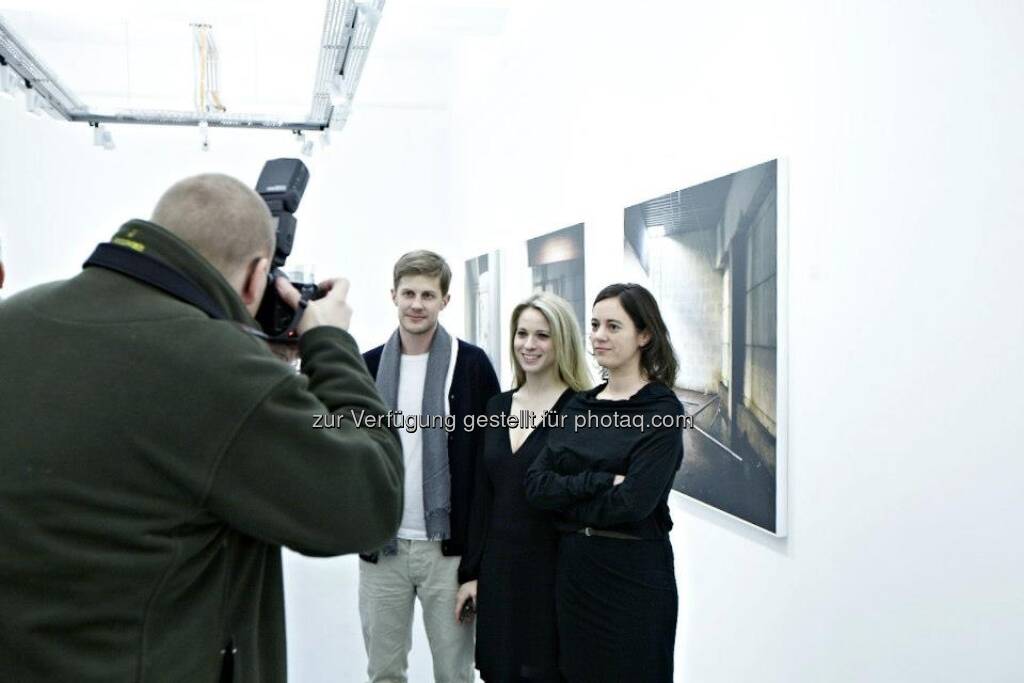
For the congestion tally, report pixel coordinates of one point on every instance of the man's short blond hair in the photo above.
(423, 262)
(220, 217)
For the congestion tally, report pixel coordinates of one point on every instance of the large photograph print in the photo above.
(709, 253)
(557, 265)
(483, 304)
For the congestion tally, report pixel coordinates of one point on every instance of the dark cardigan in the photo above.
(473, 385)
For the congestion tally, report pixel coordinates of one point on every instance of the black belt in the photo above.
(590, 531)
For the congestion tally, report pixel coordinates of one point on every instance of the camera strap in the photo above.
(291, 335)
(156, 273)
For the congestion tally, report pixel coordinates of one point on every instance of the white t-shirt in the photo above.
(411, 378)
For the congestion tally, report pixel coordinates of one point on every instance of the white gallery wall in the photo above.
(900, 124)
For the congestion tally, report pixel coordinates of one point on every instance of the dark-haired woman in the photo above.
(509, 563)
(608, 474)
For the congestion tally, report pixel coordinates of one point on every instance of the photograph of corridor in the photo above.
(709, 255)
(557, 265)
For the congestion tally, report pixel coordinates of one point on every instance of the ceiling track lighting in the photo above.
(305, 143)
(102, 137)
(339, 90)
(33, 102)
(8, 81)
(21, 70)
(204, 136)
(371, 11)
(348, 31)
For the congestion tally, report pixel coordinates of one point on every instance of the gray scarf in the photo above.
(436, 476)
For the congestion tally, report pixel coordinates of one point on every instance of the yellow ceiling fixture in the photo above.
(205, 59)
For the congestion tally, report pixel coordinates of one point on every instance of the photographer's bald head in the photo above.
(228, 224)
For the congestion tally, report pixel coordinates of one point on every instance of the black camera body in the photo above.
(282, 183)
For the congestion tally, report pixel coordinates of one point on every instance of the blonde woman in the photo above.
(509, 565)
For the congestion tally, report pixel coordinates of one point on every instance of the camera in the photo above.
(282, 183)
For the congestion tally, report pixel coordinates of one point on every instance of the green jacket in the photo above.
(152, 463)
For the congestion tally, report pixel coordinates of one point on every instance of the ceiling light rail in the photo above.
(184, 118)
(349, 27)
(35, 76)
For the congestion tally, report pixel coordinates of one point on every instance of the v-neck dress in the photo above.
(512, 550)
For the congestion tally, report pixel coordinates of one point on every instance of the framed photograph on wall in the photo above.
(712, 256)
(557, 265)
(483, 304)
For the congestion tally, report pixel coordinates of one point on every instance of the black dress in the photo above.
(512, 550)
(616, 597)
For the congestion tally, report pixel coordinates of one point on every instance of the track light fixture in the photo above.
(8, 81)
(305, 144)
(341, 97)
(33, 102)
(370, 13)
(348, 31)
(101, 137)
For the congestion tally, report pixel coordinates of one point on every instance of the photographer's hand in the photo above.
(331, 310)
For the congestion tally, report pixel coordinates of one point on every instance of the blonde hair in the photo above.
(423, 262)
(565, 336)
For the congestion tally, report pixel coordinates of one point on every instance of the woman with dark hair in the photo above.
(509, 563)
(608, 473)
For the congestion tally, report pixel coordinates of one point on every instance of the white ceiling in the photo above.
(116, 55)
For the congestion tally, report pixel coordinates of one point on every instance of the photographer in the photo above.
(155, 460)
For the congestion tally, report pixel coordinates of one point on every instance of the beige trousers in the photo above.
(387, 591)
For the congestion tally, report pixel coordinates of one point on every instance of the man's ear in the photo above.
(394, 297)
(444, 300)
(2, 274)
(255, 281)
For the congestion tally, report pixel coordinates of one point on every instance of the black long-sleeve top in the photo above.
(574, 473)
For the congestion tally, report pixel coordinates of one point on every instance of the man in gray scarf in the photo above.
(435, 382)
